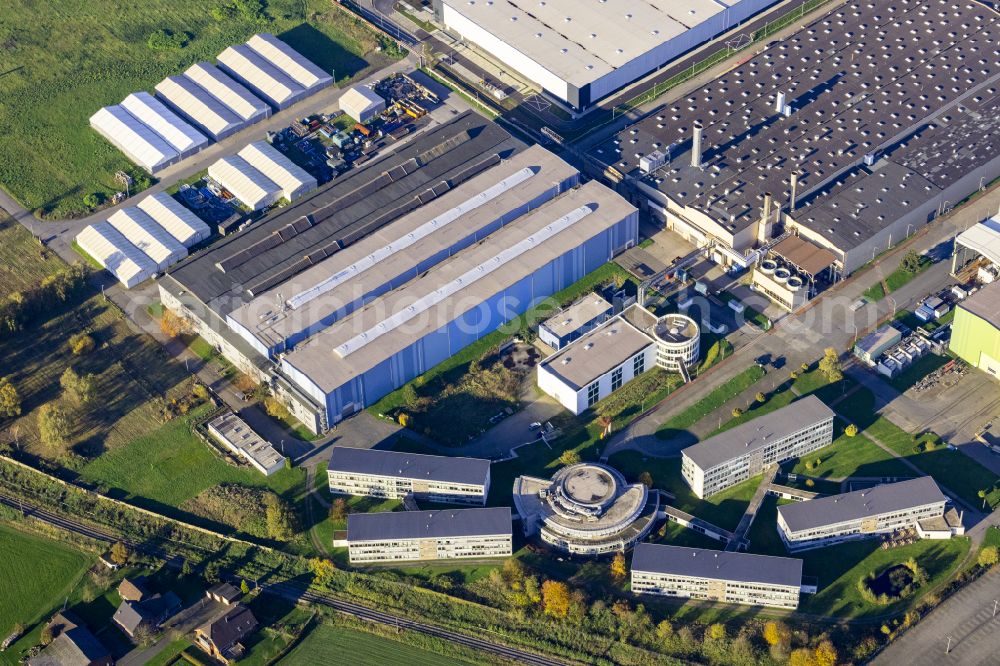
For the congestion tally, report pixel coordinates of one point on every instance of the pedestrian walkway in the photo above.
(739, 539)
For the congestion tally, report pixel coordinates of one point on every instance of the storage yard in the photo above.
(850, 144)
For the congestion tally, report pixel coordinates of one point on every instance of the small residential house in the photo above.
(223, 638)
(132, 589)
(224, 593)
(148, 614)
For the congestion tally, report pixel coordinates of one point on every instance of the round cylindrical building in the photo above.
(677, 342)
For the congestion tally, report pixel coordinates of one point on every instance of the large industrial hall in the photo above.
(853, 133)
(377, 277)
(580, 52)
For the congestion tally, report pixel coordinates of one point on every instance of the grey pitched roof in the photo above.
(717, 564)
(129, 616)
(428, 524)
(226, 591)
(73, 647)
(409, 465)
(756, 433)
(985, 304)
(861, 504)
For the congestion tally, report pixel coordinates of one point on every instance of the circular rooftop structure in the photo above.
(678, 342)
(586, 508)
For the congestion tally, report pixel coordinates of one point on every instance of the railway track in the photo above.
(295, 592)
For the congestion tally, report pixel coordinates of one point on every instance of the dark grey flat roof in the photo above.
(409, 465)
(985, 304)
(756, 433)
(343, 211)
(428, 524)
(853, 89)
(861, 504)
(717, 564)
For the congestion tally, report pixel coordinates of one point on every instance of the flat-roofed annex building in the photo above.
(580, 52)
(398, 536)
(575, 320)
(737, 454)
(861, 514)
(714, 575)
(395, 475)
(236, 435)
(975, 331)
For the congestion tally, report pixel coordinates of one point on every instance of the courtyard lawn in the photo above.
(365, 649)
(851, 456)
(711, 402)
(36, 574)
(724, 509)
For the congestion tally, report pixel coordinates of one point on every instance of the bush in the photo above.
(569, 457)
(10, 399)
(851, 430)
(166, 40)
(988, 556)
(54, 425)
(737, 412)
(81, 344)
(92, 200)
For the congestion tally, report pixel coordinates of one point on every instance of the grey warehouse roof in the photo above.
(985, 304)
(472, 471)
(911, 83)
(428, 524)
(717, 564)
(342, 212)
(755, 434)
(860, 504)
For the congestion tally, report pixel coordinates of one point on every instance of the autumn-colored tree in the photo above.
(851, 430)
(664, 630)
(760, 397)
(716, 632)
(119, 553)
(569, 457)
(46, 636)
(54, 425)
(172, 325)
(10, 399)
(777, 634)
(555, 598)
(830, 365)
(81, 344)
(280, 521)
(244, 588)
(737, 412)
(801, 657)
(339, 509)
(244, 383)
(81, 388)
(618, 568)
(646, 479)
(322, 569)
(989, 556)
(825, 654)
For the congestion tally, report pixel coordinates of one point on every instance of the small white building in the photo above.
(713, 575)
(204, 111)
(572, 322)
(143, 231)
(296, 66)
(253, 189)
(230, 92)
(152, 113)
(261, 76)
(108, 247)
(361, 103)
(293, 180)
(609, 356)
(180, 222)
(138, 142)
(399, 536)
(233, 432)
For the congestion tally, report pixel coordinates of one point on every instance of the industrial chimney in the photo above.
(767, 207)
(696, 147)
(764, 224)
(795, 185)
(779, 104)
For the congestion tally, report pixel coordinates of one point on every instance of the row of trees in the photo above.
(19, 308)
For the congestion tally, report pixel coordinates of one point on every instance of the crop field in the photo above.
(18, 248)
(365, 650)
(64, 59)
(55, 570)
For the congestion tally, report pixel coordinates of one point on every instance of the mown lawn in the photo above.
(711, 402)
(62, 61)
(364, 649)
(724, 509)
(851, 456)
(36, 574)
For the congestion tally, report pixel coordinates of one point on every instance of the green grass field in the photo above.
(62, 61)
(852, 456)
(325, 642)
(711, 402)
(23, 262)
(36, 574)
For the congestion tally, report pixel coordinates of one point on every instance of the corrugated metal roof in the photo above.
(155, 115)
(985, 303)
(196, 104)
(860, 504)
(293, 180)
(428, 524)
(179, 222)
(227, 90)
(755, 434)
(298, 68)
(113, 251)
(142, 231)
(139, 143)
(472, 471)
(245, 182)
(717, 565)
(267, 80)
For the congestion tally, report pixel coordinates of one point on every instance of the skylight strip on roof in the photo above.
(466, 279)
(424, 230)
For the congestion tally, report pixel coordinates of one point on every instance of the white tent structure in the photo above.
(293, 180)
(152, 113)
(983, 239)
(137, 141)
(143, 232)
(195, 103)
(178, 221)
(298, 68)
(113, 251)
(250, 186)
(227, 90)
(361, 103)
(257, 73)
